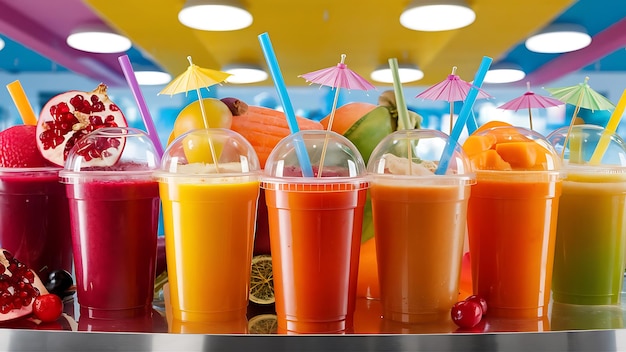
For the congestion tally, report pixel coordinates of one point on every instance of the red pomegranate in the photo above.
(69, 116)
(18, 288)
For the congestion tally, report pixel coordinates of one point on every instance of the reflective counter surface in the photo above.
(567, 328)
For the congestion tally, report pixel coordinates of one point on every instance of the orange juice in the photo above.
(512, 217)
(209, 236)
(419, 232)
(312, 230)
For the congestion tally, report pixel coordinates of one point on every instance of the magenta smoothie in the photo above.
(34, 219)
(114, 231)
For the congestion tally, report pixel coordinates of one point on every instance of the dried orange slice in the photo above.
(263, 324)
(262, 280)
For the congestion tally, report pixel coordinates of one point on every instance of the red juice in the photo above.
(114, 232)
(34, 219)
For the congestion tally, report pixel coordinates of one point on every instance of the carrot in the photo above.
(264, 128)
(346, 115)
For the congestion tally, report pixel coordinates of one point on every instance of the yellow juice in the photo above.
(209, 237)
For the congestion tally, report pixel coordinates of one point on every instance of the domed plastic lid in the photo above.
(314, 156)
(424, 148)
(590, 146)
(509, 148)
(209, 153)
(111, 152)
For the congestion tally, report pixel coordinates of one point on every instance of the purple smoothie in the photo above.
(114, 232)
(34, 219)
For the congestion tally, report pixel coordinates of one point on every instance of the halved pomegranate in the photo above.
(18, 288)
(69, 116)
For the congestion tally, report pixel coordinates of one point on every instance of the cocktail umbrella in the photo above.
(530, 101)
(581, 96)
(196, 78)
(452, 89)
(338, 77)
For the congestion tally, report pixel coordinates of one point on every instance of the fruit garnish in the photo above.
(69, 116)
(237, 107)
(466, 314)
(59, 283)
(18, 147)
(47, 308)
(479, 300)
(19, 286)
(262, 280)
(218, 115)
(263, 324)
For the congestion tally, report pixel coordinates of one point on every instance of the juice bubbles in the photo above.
(209, 212)
(114, 208)
(34, 219)
(591, 231)
(419, 221)
(512, 217)
(315, 227)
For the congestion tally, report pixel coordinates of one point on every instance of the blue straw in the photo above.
(281, 89)
(462, 120)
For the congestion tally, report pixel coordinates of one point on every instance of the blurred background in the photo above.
(312, 35)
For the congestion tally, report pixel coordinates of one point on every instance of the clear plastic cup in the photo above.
(419, 224)
(34, 219)
(315, 230)
(209, 213)
(591, 231)
(114, 209)
(511, 218)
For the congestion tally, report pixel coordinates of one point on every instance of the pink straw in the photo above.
(127, 68)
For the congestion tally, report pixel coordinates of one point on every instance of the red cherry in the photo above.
(466, 314)
(479, 300)
(47, 308)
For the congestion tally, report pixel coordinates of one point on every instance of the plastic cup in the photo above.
(419, 224)
(209, 213)
(34, 219)
(591, 230)
(315, 231)
(511, 218)
(114, 209)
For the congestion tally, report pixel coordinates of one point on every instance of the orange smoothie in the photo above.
(512, 218)
(209, 237)
(312, 236)
(420, 229)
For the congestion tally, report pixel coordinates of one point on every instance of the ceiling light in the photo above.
(559, 38)
(1, 44)
(433, 15)
(152, 78)
(407, 73)
(98, 38)
(242, 74)
(215, 15)
(504, 73)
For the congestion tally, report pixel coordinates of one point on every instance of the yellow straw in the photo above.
(21, 102)
(611, 127)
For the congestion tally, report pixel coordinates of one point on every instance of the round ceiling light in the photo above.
(1, 43)
(559, 38)
(152, 78)
(98, 39)
(242, 74)
(504, 73)
(215, 15)
(433, 15)
(407, 73)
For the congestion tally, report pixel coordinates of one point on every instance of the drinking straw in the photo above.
(611, 127)
(281, 89)
(127, 68)
(464, 114)
(21, 102)
(403, 113)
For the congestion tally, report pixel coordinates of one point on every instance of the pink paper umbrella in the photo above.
(338, 77)
(452, 89)
(529, 101)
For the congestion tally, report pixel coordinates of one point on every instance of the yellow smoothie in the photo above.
(209, 236)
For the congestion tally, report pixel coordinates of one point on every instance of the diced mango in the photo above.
(489, 160)
(518, 154)
(475, 144)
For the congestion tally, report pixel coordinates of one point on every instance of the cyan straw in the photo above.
(466, 111)
(281, 89)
